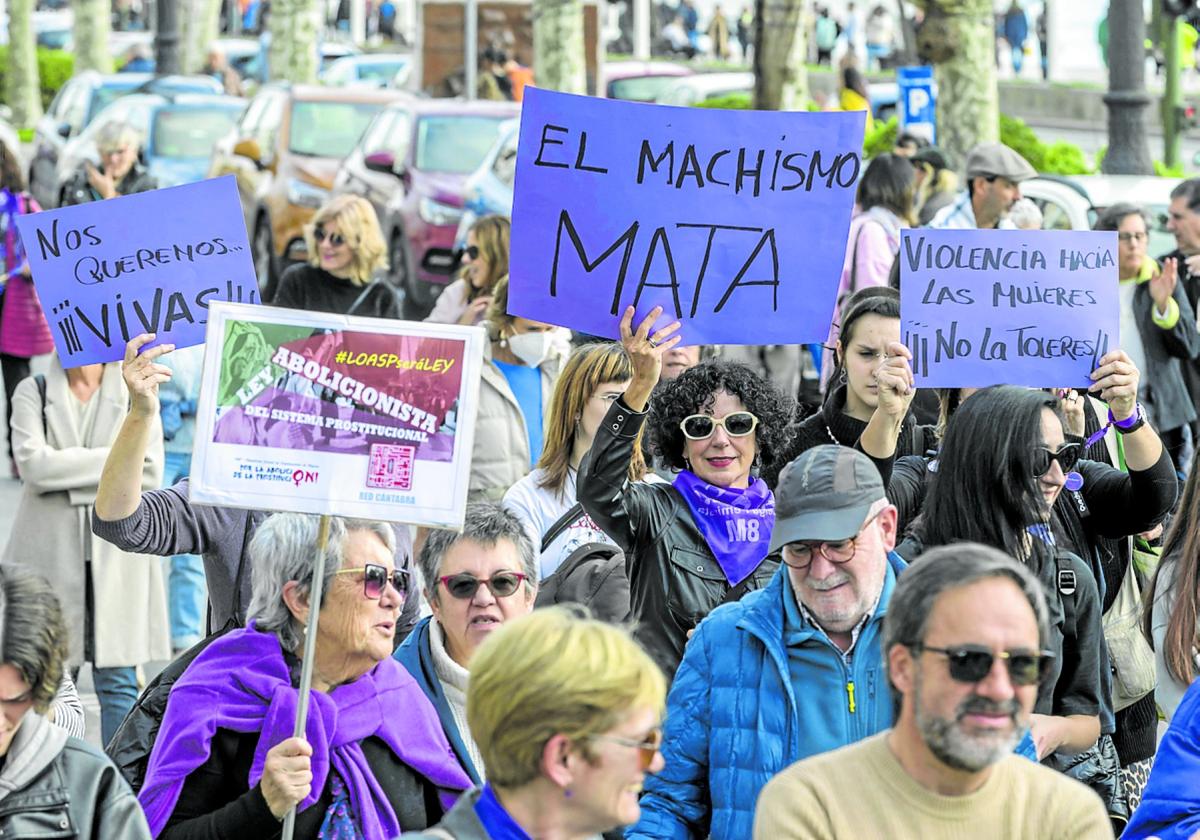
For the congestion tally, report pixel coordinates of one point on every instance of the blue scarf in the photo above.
(735, 523)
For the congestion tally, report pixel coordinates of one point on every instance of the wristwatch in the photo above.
(1129, 424)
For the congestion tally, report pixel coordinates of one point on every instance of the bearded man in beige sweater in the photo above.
(964, 641)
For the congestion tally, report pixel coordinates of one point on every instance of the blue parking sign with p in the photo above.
(918, 97)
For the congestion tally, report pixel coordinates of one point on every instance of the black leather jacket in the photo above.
(674, 580)
(78, 190)
(70, 790)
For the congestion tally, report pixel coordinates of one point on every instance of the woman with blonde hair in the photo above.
(566, 710)
(595, 376)
(484, 262)
(345, 251)
(521, 363)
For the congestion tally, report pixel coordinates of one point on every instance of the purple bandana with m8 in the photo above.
(736, 523)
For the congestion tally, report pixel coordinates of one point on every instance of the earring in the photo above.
(842, 377)
(567, 793)
(688, 462)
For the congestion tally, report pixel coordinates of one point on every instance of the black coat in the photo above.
(674, 579)
(1190, 283)
(832, 425)
(1164, 390)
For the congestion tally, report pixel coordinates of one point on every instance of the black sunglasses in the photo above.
(471, 252)
(1067, 457)
(464, 586)
(972, 663)
(335, 239)
(376, 577)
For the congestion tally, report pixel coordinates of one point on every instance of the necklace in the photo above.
(829, 432)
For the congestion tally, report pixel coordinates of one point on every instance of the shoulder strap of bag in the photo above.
(561, 524)
(40, 379)
(362, 297)
(1066, 583)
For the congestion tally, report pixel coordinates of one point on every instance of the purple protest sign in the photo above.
(734, 222)
(148, 262)
(990, 307)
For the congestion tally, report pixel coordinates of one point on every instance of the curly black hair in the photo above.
(693, 389)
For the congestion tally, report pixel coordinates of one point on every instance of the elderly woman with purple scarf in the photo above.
(701, 541)
(374, 761)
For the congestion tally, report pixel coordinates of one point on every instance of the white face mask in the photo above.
(531, 348)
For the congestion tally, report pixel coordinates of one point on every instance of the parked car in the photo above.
(1074, 202)
(371, 70)
(78, 101)
(284, 151)
(689, 90)
(178, 134)
(641, 81)
(411, 163)
(252, 67)
(489, 189)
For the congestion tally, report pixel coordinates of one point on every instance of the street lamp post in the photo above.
(1128, 146)
(166, 38)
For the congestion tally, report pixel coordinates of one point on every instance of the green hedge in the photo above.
(54, 68)
(729, 102)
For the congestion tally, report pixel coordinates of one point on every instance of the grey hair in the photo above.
(1025, 214)
(33, 636)
(1114, 214)
(1189, 191)
(284, 549)
(953, 567)
(486, 524)
(116, 134)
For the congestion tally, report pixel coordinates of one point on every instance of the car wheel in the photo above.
(264, 260)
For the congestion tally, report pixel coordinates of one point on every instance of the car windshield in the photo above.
(640, 88)
(380, 70)
(189, 132)
(329, 129)
(105, 95)
(456, 144)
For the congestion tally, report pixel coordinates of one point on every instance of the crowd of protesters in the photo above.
(889, 613)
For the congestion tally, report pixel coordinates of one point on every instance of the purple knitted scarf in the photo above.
(241, 682)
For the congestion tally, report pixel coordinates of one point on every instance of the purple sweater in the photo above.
(166, 523)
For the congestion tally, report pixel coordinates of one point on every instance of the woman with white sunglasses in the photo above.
(702, 540)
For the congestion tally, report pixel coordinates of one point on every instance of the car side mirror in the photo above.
(381, 162)
(248, 148)
(64, 130)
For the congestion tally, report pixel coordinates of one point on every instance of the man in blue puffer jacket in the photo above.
(790, 671)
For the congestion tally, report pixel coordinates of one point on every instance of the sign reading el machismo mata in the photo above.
(734, 222)
(321, 413)
(144, 263)
(986, 307)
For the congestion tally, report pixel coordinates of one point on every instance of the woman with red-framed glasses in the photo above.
(476, 581)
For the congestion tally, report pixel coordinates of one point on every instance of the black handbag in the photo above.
(1099, 768)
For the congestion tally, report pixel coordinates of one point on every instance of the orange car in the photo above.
(284, 152)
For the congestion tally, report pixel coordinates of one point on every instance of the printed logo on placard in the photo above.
(391, 466)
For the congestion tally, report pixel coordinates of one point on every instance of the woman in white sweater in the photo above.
(593, 378)
(484, 262)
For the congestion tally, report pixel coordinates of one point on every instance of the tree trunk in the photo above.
(22, 89)
(959, 38)
(1128, 145)
(90, 31)
(780, 80)
(200, 26)
(294, 28)
(558, 52)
